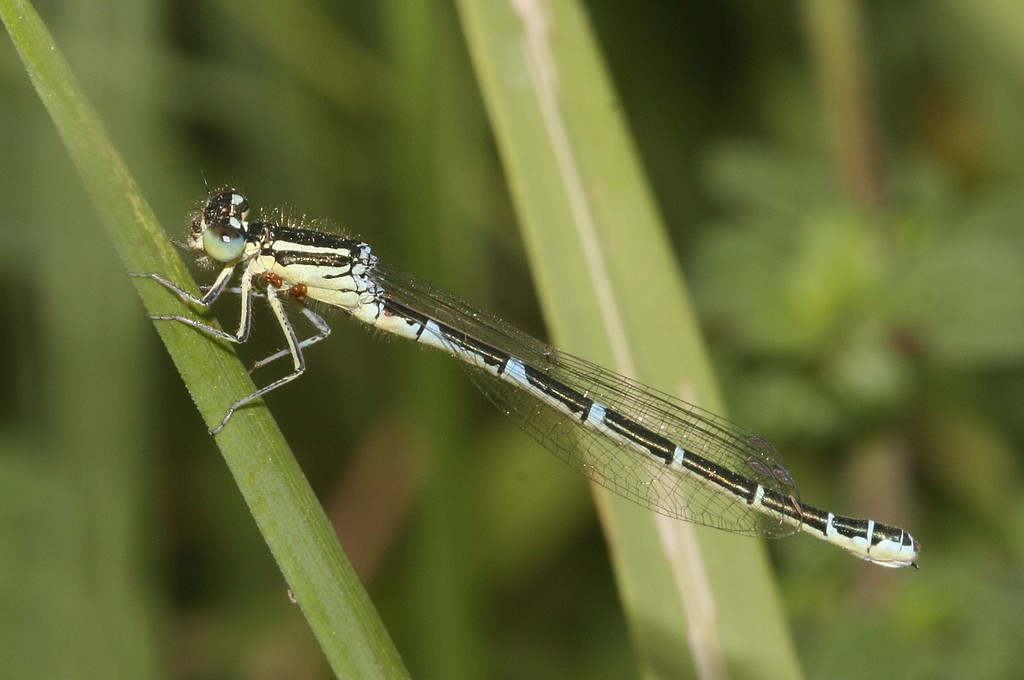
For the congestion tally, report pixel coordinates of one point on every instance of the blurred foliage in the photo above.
(858, 261)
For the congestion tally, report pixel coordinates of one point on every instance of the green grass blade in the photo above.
(611, 291)
(281, 501)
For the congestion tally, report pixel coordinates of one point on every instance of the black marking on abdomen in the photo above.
(412, 317)
(851, 528)
(574, 400)
(790, 507)
(638, 434)
(736, 484)
(491, 356)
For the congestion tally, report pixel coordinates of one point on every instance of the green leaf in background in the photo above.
(599, 252)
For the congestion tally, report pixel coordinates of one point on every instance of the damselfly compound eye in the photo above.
(223, 242)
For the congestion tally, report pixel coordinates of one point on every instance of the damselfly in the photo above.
(650, 447)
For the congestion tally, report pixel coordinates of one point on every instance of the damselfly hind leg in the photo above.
(294, 349)
(246, 292)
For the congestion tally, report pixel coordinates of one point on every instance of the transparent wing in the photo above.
(640, 478)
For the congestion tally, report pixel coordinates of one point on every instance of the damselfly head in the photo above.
(225, 204)
(218, 227)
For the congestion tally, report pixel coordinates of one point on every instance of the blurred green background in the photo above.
(844, 184)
